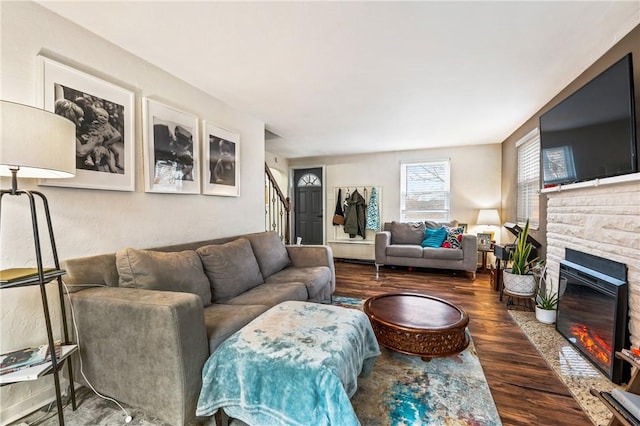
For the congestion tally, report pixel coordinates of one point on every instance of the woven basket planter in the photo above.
(519, 285)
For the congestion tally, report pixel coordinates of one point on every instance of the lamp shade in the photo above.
(40, 144)
(488, 217)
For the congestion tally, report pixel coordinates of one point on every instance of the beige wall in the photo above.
(630, 43)
(91, 221)
(475, 181)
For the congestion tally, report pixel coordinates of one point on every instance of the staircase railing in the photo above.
(277, 207)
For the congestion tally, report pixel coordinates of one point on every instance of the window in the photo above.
(424, 191)
(529, 179)
(309, 179)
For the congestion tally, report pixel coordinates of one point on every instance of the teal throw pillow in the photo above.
(434, 237)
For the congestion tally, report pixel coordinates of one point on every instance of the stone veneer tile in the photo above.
(578, 374)
(603, 221)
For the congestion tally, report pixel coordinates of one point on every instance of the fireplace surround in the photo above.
(592, 310)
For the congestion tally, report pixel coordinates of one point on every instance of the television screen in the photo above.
(591, 134)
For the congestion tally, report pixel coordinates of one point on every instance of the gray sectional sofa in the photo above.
(399, 244)
(147, 320)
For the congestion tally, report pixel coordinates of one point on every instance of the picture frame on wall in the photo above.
(221, 161)
(104, 115)
(484, 241)
(171, 148)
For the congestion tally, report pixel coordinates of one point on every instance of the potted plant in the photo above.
(519, 279)
(546, 306)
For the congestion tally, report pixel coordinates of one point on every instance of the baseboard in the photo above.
(27, 406)
(34, 402)
(361, 261)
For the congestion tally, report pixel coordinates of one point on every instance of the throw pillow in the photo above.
(454, 237)
(407, 232)
(434, 237)
(270, 252)
(232, 268)
(166, 271)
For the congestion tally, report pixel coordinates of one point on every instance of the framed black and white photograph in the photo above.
(171, 149)
(221, 161)
(104, 117)
(484, 241)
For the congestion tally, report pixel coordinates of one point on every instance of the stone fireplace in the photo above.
(592, 310)
(601, 219)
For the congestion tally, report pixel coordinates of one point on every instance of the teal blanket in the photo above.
(296, 364)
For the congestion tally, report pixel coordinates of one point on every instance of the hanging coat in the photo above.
(373, 212)
(338, 215)
(354, 215)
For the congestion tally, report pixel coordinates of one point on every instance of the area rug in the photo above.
(402, 390)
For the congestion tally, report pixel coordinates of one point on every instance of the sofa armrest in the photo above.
(143, 347)
(313, 255)
(383, 240)
(470, 250)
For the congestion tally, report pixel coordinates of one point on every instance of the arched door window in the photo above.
(309, 179)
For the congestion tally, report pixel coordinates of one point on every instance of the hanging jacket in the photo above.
(355, 215)
(373, 212)
(338, 215)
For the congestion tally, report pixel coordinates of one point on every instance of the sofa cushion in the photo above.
(435, 225)
(173, 271)
(315, 278)
(271, 294)
(232, 268)
(404, 250)
(441, 253)
(434, 237)
(407, 232)
(270, 252)
(221, 321)
(454, 237)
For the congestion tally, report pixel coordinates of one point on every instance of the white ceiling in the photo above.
(336, 78)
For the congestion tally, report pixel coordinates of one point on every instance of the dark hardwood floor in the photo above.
(526, 391)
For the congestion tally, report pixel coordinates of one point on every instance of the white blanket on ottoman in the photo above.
(296, 364)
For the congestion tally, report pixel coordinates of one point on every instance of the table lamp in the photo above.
(38, 144)
(488, 217)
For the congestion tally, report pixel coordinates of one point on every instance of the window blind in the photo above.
(425, 191)
(528, 199)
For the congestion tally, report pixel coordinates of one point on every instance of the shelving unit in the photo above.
(39, 276)
(621, 416)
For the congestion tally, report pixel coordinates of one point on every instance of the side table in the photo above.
(485, 252)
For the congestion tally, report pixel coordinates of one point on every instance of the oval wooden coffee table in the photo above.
(417, 324)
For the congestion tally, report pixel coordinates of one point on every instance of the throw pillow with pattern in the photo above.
(454, 237)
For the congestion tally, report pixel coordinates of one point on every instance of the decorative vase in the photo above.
(546, 316)
(519, 285)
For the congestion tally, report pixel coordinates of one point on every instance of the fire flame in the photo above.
(595, 345)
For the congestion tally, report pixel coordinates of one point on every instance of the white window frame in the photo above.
(528, 179)
(441, 214)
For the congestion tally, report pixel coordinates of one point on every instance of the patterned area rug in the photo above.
(402, 390)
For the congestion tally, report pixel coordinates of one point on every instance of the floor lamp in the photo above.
(38, 144)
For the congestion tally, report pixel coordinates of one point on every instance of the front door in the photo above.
(308, 190)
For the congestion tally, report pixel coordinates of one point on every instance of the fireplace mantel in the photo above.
(633, 177)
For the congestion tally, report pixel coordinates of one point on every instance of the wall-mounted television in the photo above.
(592, 133)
